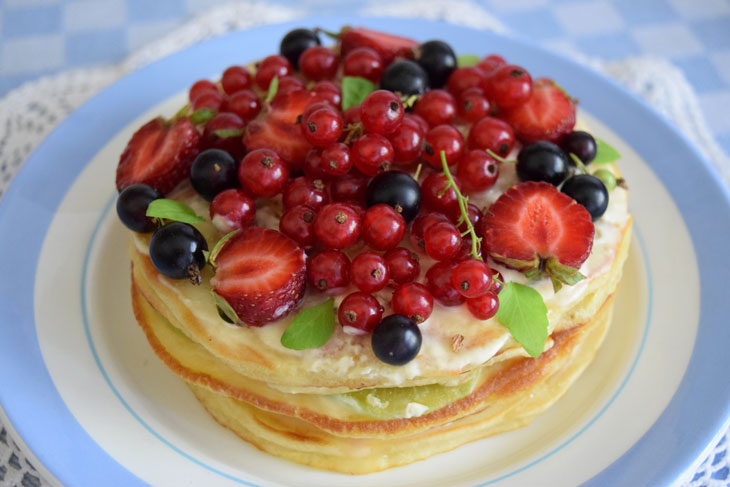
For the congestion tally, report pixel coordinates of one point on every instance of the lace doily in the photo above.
(30, 112)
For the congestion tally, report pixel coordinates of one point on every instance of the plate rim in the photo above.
(75, 121)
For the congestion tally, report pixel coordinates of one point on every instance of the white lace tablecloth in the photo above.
(30, 112)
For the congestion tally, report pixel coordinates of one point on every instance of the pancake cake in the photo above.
(362, 255)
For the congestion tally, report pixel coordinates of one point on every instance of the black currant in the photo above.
(396, 340)
(406, 77)
(580, 143)
(589, 191)
(397, 189)
(295, 42)
(176, 251)
(132, 207)
(542, 161)
(213, 171)
(438, 60)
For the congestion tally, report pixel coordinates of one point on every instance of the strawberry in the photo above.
(261, 274)
(548, 114)
(387, 45)
(159, 154)
(533, 227)
(278, 129)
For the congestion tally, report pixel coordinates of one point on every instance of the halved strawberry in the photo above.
(159, 154)
(547, 115)
(277, 128)
(533, 227)
(387, 45)
(261, 274)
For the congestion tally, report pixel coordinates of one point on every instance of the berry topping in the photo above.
(200, 87)
(382, 227)
(397, 189)
(548, 114)
(490, 63)
(402, 264)
(372, 154)
(212, 100)
(483, 307)
(213, 170)
(232, 209)
(351, 187)
(472, 278)
(322, 126)
(305, 191)
(297, 223)
(438, 282)
(263, 174)
(329, 92)
(369, 272)
(270, 67)
(235, 79)
(442, 240)
(436, 107)
(477, 171)
(365, 63)
(414, 301)
(337, 225)
(312, 165)
(359, 313)
(381, 112)
(295, 42)
(396, 340)
(473, 105)
(444, 138)
(132, 207)
(580, 143)
(329, 271)
(159, 154)
(542, 161)
(464, 78)
(534, 226)
(388, 46)
(224, 132)
(419, 227)
(436, 199)
(405, 77)
(318, 63)
(508, 86)
(177, 251)
(589, 191)
(261, 274)
(245, 104)
(493, 134)
(438, 60)
(407, 141)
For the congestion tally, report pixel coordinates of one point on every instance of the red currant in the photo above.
(297, 223)
(287, 84)
(407, 142)
(436, 199)
(443, 241)
(382, 227)
(413, 300)
(509, 86)
(271, 66)
(381, 112)
(420, 225)
(472, 278)
(208, 99)
(313, 164)
(478, 171)
(262, 173)
(443, 138)
(419, 121)
(336, 160)
(372, 154)
(438, 282)
(200, 87)
(402, 264)
(463, 78)
(352, 115)
(318, 62)
(329, 271)
(484, 306)
(224, 131)
(473, 105)
(497, 282)
(359, 313)
(245, 104)
(235, 78)
(369, 272)
(232, 209)
(351, 187)
(305, 191)
(322, 127)
(365, 63)
(329, 92)
(493, 134)
(337, 225)
(437, 107)
(490, 63)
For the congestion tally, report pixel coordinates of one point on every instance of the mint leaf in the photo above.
(311, 328)
(225, 309)
(273, 88)
(523, 312)
(213, 254)
(202, 116)
(228, 133)
(605, 153)
(354, 90)
(467, 60)
(172, 210)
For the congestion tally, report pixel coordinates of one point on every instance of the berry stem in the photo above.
(328, 33)
(476, 242)
(579, 164)
(500, 158)
(417, 174)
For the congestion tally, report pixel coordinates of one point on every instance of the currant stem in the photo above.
(500, 158)
(464, 208)
(579, 164)
(418, 171)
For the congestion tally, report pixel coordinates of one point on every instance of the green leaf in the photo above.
(202, 116)
(311, 328)
(213, 254)
(605, 153)
(523, 312)
(228, 133)
(172, 210)
(608, 178)
(467, 60)
(273, 88)
(225, 310)
(354, 90)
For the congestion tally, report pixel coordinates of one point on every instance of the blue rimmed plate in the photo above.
(87, 395)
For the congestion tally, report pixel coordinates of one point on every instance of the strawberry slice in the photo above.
(277, 128)
(387, 45)
(159, 154)
(548, 114)
(261, 274)
(533, 227)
